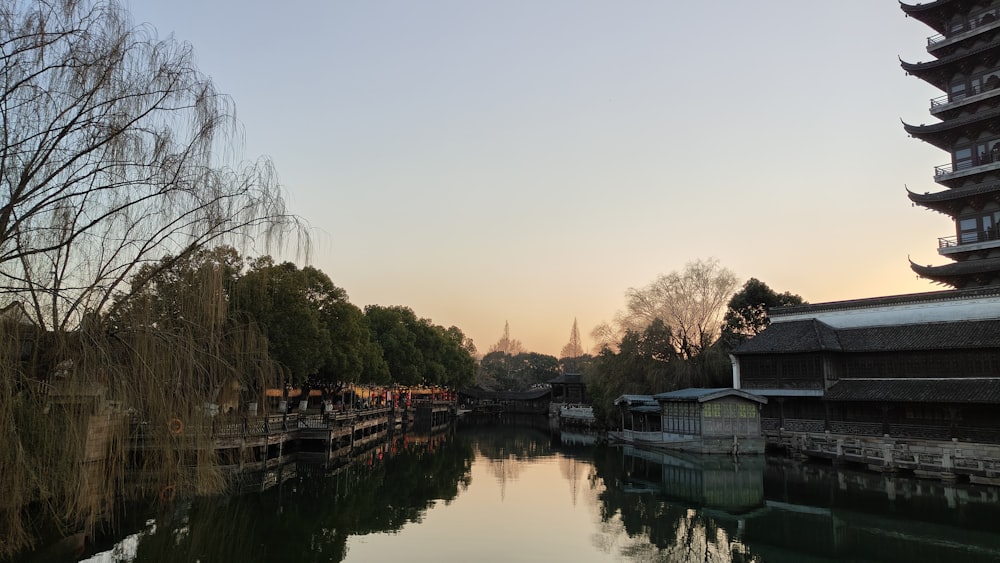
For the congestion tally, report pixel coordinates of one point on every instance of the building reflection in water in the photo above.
(612, 503)
(784, 511)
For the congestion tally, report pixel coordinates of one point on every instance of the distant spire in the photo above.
(575, 348)
(506, 344)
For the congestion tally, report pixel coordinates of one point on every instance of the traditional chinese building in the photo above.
(907, 382)
(966, 69)
(698, 420)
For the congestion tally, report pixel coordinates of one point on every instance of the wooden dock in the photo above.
(265, 442)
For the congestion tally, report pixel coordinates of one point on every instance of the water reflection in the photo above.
(518, 490)
(309, 514)
(690, 508)
(836, 514)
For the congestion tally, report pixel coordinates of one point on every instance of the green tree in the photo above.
(393, 328)
(354, 355)
(459, 358)
(535, 368)
(160, 292)
(747, 312)
(417, 351)
(495, 371)
(288, 305)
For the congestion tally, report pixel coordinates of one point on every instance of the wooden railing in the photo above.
(222, 427)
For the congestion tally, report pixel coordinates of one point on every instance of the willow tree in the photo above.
(117, 159)
(116, 150)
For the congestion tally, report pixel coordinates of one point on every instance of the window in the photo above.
(967, 231)
(979, 228)
(963, 158)
(957, 91)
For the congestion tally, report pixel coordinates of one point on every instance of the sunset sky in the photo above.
(530, 160)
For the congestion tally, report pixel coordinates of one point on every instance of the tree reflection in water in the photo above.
(309, 516)
(632, 505)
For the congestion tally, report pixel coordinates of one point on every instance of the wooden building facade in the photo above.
(703, 420)
(896, 375)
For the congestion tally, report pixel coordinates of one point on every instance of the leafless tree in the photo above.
(604, 336)
(115, 152)
(690, 302)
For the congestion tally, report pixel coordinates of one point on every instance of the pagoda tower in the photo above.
(966, 69)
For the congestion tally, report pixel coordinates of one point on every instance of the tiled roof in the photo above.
(927, 297)
(635, 400)
(809, 335)
(929, 336)
(701, 394)
(917, 390)
(796, 337)
(567, 378)
(529, 395)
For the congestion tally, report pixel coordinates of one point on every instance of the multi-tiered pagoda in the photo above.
(966, 68)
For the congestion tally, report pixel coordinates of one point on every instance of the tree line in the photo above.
(677, 332)
(312, 331)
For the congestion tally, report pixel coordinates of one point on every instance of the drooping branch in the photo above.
(116, 151)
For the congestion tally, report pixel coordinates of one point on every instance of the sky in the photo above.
(529, 161)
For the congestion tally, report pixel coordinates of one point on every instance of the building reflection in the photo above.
(647, 505)
(785, 511)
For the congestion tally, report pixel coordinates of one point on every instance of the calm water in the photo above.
(521, 492)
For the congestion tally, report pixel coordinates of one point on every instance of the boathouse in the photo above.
(704, 420)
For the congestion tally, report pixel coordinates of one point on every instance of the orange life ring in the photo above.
(167, 493)
(175, 426)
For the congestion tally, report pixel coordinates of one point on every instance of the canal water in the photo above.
(519, 491)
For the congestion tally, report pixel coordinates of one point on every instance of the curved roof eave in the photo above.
(911, 9)
(937, 64)
(944, 197)
(932, 14)
(943, 133)
(954, 273)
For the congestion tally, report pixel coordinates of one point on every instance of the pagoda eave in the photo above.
(945, 133)
(935, 14)
(938, 72)
(951, 202)
(968, 273)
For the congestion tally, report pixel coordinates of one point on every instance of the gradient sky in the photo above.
(530, 160)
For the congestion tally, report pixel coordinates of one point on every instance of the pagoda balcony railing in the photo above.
(965, 241)
(975, 24)
(964, 168)
(974, 93)
(944, 169)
